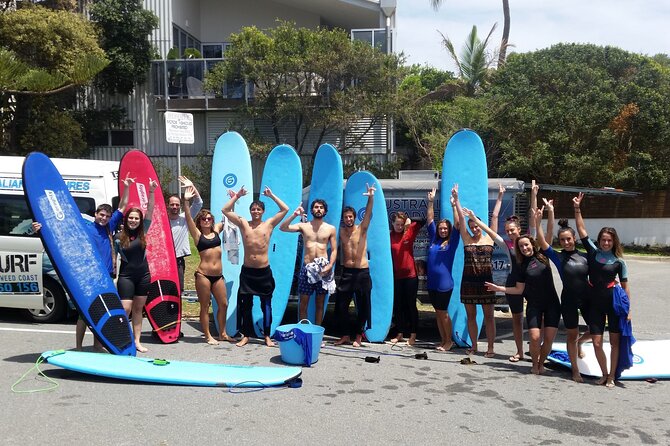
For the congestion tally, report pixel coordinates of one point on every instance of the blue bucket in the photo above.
(299, 344)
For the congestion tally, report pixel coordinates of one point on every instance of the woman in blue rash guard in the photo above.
(605, 266)
(444, 240)
(573, 268)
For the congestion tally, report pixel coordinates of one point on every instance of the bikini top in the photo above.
(207, 243)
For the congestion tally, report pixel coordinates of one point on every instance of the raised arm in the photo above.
(496, 208)
(153, 184)
(549, 205)
(430, 212)
(196, 201)
(537, 216)
(286, 225)
(230, 205)
(471, 215)
(123, 202)
(283, 208)
(188, 214)
(367, 218)
(533, 205)
(462, 227)
(579, 221)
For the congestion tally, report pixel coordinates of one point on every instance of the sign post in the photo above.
(179, 130)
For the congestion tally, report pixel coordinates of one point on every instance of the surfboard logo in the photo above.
(637, 359)
(230, 180)
(55, 205)
(142, 195)
(361, 213)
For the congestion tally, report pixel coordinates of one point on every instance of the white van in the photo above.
(27, 279)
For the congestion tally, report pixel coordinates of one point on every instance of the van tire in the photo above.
(55, 304)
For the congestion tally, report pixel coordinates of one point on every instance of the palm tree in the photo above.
(504, 43)
(474, 61)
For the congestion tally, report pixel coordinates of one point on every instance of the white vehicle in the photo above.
(27, 279)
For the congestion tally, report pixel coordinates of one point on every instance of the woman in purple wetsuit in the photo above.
(441, 252)
(573, 268)
(605, 266)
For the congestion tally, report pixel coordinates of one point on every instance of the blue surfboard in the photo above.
(74, 255)
(283, 175)
(231, 169)
(379, 251)
(171, 372)
(327, 182)
(464, 163)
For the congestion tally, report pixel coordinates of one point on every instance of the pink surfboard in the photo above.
(163, 307)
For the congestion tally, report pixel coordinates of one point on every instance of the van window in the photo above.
(16, 219)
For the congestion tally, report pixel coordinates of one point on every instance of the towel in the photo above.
(314, 274)
(231, 241)
(304, 340)
(621, 308)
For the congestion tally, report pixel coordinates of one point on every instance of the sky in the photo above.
(640, 26)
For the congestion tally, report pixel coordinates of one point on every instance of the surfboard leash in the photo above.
(36, 366)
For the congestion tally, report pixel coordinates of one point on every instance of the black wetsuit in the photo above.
(543, 306)
(574, 270)
(134, 276)
(515, 301)
(354, 281)
(604, 267)
(255, 282)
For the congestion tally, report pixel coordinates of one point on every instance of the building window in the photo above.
(374, 37)
(182, 40)
(113, 138)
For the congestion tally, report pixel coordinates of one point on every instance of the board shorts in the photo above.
(306, 288)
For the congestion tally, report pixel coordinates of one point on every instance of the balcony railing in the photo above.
(184, 79)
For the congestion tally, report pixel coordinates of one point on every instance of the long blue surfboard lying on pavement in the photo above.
(74, 255)
(172, 372)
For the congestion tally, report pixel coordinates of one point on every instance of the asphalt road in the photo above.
(344, 400)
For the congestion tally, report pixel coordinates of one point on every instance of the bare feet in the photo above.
(439, 348)
(470, 351)
(610, 384)
(397, 339)
(489, 354)
(541, 369)
(344, 340)
(244, 341)
(357, 342)
(447, 346)
(576, 377)
(534, 370)
(412, 339)
(212, 341)
(601, 381)
(226, 338)
(140, 348)
(269, 342)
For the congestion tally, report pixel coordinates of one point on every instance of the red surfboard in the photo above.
(163, 307)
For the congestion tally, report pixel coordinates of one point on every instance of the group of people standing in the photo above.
(588, 280)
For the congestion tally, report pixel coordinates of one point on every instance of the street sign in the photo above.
(179, 128)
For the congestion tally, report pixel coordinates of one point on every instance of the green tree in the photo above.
(125, 26)
(583, 115)
(310, 84)
(43, 53)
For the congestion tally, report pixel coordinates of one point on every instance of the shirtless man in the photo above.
(317, 235)
(256, 276)
(355, 273)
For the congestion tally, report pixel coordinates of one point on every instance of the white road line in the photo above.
(28, 330)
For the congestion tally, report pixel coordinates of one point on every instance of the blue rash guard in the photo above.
(441, 259)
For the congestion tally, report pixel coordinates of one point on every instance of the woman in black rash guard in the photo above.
(134, 277)
(543, 309)
(605, 265)
(573, 268)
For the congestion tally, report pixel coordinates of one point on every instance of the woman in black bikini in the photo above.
(209, 274)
